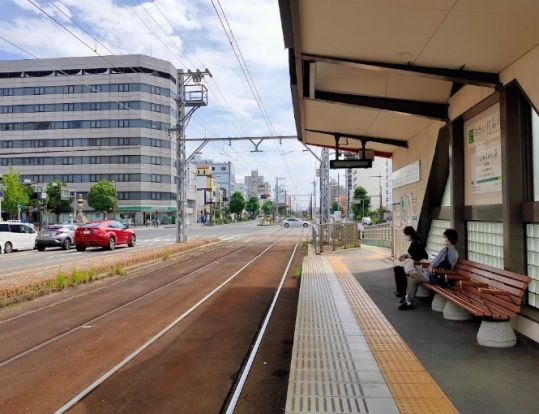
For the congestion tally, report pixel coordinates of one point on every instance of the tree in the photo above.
(102, 197)
(267, 207)
(335, 207)
(237, 203)
(252, 206)
(361, 202)
(54, 199)
(15, 192)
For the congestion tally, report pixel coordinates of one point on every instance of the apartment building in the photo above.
(255, 186)
(82, 120)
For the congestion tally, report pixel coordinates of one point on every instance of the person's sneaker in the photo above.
(406, 306)
(402, 300)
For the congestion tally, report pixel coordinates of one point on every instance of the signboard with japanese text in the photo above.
(483, 165)
(408, 174)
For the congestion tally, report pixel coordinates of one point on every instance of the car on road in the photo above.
(294, 222)
(15, 235)
(56, 235)
(103, 233)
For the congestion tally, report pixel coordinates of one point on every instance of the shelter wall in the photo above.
(525, 71)
(408, 199)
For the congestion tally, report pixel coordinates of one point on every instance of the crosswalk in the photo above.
(172, 239)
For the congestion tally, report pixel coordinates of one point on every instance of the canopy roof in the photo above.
(384, 70)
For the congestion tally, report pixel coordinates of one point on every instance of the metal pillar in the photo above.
(324, 187)
(348, 192)
(192, 94)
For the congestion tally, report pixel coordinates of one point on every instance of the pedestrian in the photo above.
(147, 222)
(423, 271)
(416, 252)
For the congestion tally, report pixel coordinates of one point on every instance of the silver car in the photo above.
(294, 222)
(56, 235)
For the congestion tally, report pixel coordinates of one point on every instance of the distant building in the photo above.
(207, 192)
(255, 186)
(223, 173)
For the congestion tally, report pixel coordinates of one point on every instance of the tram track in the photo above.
(129, 358)
(21, 354)
(84, 333)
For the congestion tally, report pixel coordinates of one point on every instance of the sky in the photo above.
(190, 36)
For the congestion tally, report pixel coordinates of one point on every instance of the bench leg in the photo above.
(423, 292)
(455, 313)
(438, 303)
(496, 334)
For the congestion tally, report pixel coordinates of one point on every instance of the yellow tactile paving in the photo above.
(414, 390)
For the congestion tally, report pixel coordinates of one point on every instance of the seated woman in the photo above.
(446, 259)
(416, 252)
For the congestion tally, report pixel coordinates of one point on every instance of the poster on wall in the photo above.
(483, 162)
(408, 174)
(483, 139)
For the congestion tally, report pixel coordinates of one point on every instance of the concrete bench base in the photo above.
(438, 303)
(423, 292)
(496, 334)
(455, 313)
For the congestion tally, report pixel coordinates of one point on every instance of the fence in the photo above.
(336, 235)
(386, 235)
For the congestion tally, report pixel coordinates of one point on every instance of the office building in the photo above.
(255, 186)
(82, 120)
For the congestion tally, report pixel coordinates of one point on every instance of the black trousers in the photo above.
(400, 280)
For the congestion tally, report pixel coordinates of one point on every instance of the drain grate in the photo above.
(333, 369)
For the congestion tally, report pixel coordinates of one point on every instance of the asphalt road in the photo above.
(146, 237)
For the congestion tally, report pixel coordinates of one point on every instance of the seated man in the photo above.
(446, 259)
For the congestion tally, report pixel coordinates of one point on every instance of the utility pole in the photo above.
(276, 209)
(379, 176)
(324, 187)
(191, 94)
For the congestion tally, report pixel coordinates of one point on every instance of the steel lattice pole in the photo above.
(181, 167)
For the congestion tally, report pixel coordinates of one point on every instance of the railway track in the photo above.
(237, 255)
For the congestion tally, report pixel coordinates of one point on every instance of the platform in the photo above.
(347, 358)
(428, 364)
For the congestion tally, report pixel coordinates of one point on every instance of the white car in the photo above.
(294, 222)
(16, 236)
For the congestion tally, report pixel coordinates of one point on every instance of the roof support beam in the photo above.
(467, 77)
(405, 106)
(364, 138)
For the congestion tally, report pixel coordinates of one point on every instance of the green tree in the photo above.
(335, 207)
(252, 206)
(361, 202)
(267, 207)
(102, 197)
(237, 203)
(15, 192)
(54, 199)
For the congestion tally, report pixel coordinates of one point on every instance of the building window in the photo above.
(39, 108)
(123, 87)
(7, 92)
(123, 177)
(67, 143)
(123, 141)
(94, 178)
(223, 168)
(123, 123)
(6, 144)
(67, 178)
(156, 178)
(123, 159)
(94, 160)
(156, 160)
(123, 195)
(94, 142)
(67, 160)
(156, 196)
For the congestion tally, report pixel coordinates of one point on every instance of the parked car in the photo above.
(103, 233)
(294, 222)
(16, 236)
(56, 235)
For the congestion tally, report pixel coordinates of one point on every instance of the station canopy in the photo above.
(384, 70)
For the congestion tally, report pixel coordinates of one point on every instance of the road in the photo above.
(172, 339)
(146, 237)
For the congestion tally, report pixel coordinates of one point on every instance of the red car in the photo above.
(104, 233)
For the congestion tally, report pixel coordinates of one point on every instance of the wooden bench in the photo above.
(495, 295)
